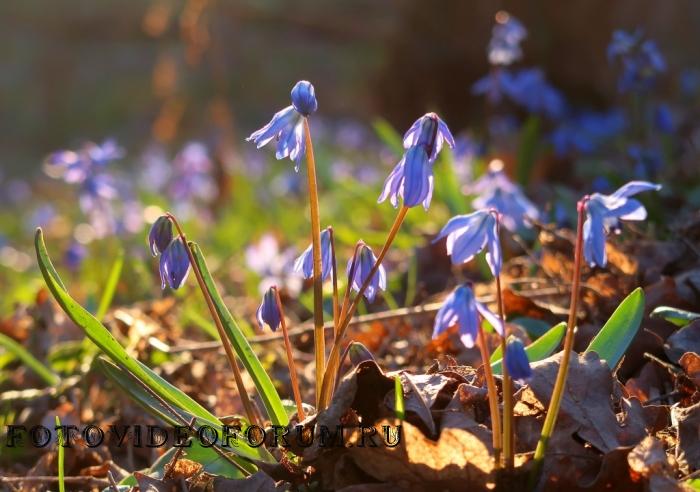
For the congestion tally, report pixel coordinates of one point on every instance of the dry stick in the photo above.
(334, 265)
(245, 399)
(559, 384)
(290, 357)
(492, 397)
(319, 334)
(112, 482)
(170, 467)
(329, 375)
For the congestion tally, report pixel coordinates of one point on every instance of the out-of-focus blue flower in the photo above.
(663, 119)
(530, 89)
(506, 36)
(305, 262)
(498, 192)
(74, 255)
(468, 234)
(690, 82)
(462, 309)
(494, 86)
(192, 178)
(604, 213)
(287, 125)
(516, 360)
(273, 265)
(362, 268)
(412, 178)
(75, 166)
(174, 264)
(466, 150)
(160, 235)
(640, 59)
(268, 313)
(647, 160)
(586, 131)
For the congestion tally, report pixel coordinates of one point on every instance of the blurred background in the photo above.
(169, 71)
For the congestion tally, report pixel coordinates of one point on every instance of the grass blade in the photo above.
(102, 337)
(399, 402)
(29, 360)
(263, 383)
(540, 349)
(61, 457)
(111, 286)
(612, 340)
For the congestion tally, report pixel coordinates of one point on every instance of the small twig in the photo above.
(669, 367)
(112, 483)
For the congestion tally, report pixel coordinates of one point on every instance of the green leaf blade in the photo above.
(540, 349)
(29, 360)
(615, 336)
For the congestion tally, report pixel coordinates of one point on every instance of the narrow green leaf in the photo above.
(527, 149)
(388, 135)
(213, 463)
(102, 337)
(29, 360)
(111, 286)
(540, 349)
(678, 317)
(399, 402)
(263, 383)
(612, 340)
(61, 457)
(535, 328)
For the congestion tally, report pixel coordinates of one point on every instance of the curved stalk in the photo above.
(319, 340)
(334, 358)
(290, 358)
(245, 399)
(559, 385)
(493, 399)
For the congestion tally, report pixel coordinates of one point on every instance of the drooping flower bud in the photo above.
(305, 262)
(363, 265)
(268, 313)
(517, 362)
(160, 235)
(304, 98)
(174, 265)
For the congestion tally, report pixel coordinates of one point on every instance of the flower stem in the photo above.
(334, 265)
(334, 358)
(245, 398)
(493, 399)
(559, 384)
(508, 434)
(290, 358)
(319, 335)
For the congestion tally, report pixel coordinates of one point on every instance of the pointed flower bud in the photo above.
(160, 235)
(462, 309)
(412, 178)
(287, 125)
(363, 265)
(517, 362)
(174, 264)
(304, 98)
(268, 313)
(468, 234)
(305, 262)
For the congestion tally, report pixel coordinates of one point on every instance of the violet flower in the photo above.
(363, 265)
(174, 264)
(268, 313)
(305, 262)
(517, 363)
(462, 309)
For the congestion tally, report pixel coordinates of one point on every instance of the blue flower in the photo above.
(647, 160)
(506, 36)
(74, 255)
(268, 312)
(468, 234)
(663, 118)
(174, 264)
(586, 131)
(495, 85)
(412, 178)
(689, 81)
(305, 262)
(530, 89)
(363, 265)
(160, 235)
(462, 309)
(603, 215)
(287, 125)
(640, 59)
(516, 360)
(498, 192)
